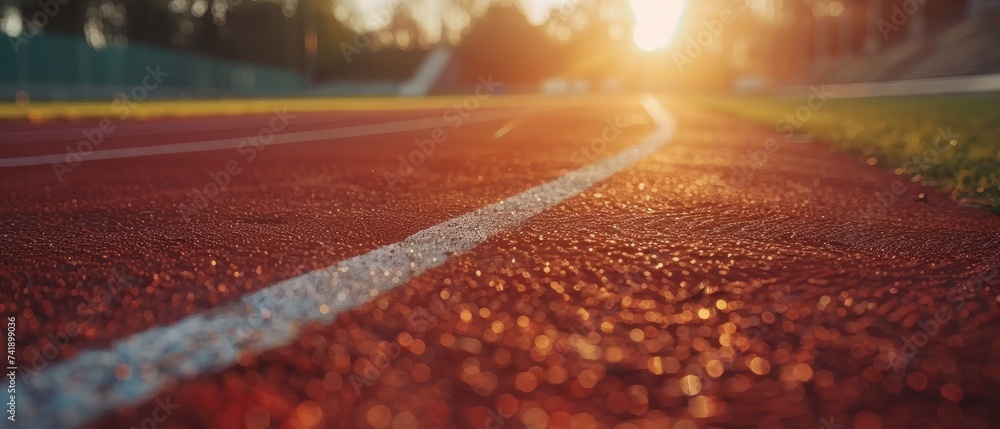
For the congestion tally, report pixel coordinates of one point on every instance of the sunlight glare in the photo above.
(656, 22)
(539, 11)
(372, 15)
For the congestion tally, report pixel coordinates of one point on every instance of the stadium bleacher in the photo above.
(967, 48)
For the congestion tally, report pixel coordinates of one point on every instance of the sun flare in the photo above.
(656, 22)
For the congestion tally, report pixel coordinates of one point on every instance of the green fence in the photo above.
(69, 66)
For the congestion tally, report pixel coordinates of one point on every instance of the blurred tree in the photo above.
(505, 45)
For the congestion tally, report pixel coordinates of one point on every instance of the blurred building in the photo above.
(885, 40)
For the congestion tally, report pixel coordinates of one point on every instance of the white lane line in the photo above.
(72, 392)
(508, 128)
(136, 129)
(287, 138)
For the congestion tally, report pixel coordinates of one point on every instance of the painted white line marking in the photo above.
(190, 125)
(508, 128)
(427, 74)
(287, 138)
(73, 392)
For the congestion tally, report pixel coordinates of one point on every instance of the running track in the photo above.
(594, 263)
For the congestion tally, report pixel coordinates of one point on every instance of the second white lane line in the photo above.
(73, 392)
(278, 139)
